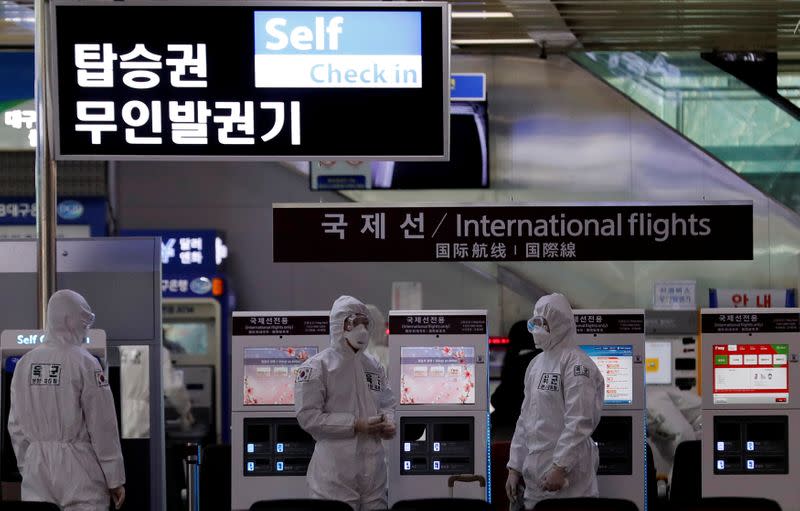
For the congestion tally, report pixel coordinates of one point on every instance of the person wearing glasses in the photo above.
(342, 399)
(552, 452)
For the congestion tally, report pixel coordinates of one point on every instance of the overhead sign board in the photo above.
(226, 80)
(596, 232)
(758, 298)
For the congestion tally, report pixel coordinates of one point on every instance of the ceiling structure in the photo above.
(592, 25)
(16, 23)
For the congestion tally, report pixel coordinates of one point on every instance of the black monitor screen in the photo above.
(468, 166)
(469, 159)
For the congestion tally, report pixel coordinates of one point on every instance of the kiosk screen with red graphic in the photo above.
(438, 375)
(270, 373)
(751, 373)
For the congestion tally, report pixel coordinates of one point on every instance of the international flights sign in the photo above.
(366, 232)
(245, 80)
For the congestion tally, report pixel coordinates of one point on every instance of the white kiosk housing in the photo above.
(751, 408)
(13, 345)
(438, 370)
(614, 339)
(270, 453)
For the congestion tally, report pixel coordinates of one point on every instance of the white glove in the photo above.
(389, 430)
(370, 426)
(513, 484)
(555, 479)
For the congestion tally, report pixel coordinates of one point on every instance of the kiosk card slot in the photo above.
(276, 446)
(751, 444)
(452, 439)
(257, 466)
(614, 437)
(290, 439)
(414, 435)
(437, 445)
(257, 438)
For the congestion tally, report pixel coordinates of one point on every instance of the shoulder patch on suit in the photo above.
(303, 374)
(550, 381)
(45, 374)
(373, 381)
(581, 370)
(100, 377)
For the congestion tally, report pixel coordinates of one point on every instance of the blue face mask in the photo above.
(538, 323)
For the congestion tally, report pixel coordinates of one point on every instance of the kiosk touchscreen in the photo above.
(270, 452)
(438, 370)
(750, 408)
(13, 345)
(614, 340)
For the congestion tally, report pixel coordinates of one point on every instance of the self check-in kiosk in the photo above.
(270, 452)
(13, 345)
(192, 333)
(614, 340)
(438, 371)
(751, 408)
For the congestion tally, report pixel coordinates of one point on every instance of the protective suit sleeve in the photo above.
(387, 401)
(581, 412)
(97, 404)
(309, 404)
(174, 390)
(519, 449)
(19, 441)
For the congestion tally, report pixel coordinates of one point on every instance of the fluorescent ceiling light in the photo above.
(482, 15)
(463, 42)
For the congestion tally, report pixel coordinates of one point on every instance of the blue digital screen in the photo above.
(615, 362)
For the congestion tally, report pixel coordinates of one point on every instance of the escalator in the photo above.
(754, 135)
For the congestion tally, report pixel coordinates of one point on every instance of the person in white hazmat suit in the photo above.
(135, 391)
(343, 400)
(552, 452)
(378, 340)
(62, 422)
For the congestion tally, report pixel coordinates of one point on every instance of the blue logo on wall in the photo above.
(200, 286)
(70, 210)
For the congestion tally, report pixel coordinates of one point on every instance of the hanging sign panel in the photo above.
(229, 80)
(598, 232)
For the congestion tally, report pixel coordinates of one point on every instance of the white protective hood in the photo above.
(68, 318)
(556, 310)
(343, 307)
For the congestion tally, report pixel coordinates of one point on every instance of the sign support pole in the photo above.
(45, 171)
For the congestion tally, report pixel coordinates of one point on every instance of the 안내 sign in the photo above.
(236, 80)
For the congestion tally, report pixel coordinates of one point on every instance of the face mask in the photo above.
(541, 337)
(358, 337)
